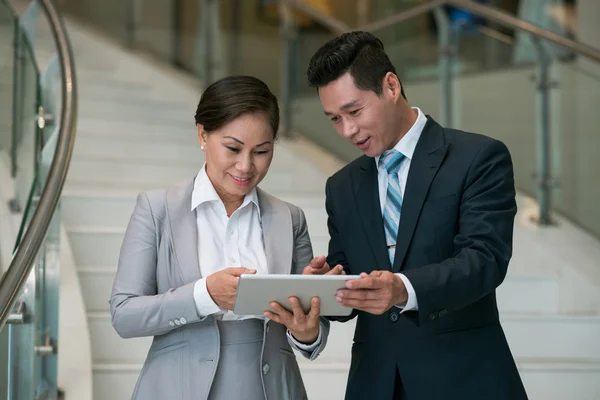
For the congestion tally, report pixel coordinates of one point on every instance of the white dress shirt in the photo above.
(406, 146)
(235, 241)
(224, 241)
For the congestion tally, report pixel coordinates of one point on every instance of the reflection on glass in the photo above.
(27, 141)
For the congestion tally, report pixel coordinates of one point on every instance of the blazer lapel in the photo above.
(427, 159)
(366, 193)
(277, 233)
(184, 230)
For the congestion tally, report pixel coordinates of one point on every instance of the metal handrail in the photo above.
(13, 280)
(485, 11)
(509, 21)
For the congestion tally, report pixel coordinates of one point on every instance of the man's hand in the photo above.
(318, 266)
(374, 293)
(222, 285)
(303, 327)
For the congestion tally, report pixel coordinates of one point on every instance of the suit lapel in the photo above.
(184, 230)
(427, 159)
(277, 233)
(366, 193)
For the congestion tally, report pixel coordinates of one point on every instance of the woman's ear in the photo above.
(202, 135)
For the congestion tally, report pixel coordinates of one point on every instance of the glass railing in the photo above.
(448, 55)
(31, 132)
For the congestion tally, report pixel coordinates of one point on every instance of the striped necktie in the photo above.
(393, 202)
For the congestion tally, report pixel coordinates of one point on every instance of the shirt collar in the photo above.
(408, 143)
(204, 192)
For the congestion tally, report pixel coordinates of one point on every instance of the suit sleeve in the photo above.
(335, 254)
(136, 308)
(302, 256)
(483, 244)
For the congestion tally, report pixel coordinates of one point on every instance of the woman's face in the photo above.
(238, 155)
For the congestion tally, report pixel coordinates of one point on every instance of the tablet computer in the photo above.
(256, 292)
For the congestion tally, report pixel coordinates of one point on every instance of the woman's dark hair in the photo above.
(233, 96)
(360, 53)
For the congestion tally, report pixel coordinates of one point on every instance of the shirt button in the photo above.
(231, 232)
(183, 321)
(232, 259)
(266, 369)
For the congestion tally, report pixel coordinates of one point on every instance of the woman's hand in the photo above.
(303, 327)
(222, 285)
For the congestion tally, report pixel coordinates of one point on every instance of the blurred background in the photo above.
(97, 100)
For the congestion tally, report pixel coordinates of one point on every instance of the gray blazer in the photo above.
(153, 288)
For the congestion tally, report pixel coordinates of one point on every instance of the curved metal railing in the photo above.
(13, 280)
(485, 11)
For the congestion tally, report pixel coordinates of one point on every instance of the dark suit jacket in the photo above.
(454, 244)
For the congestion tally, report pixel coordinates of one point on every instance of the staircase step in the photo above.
(83, 175)
(565, 338)
(541, 296)
(109, 347)
(114, 209)
(94, 246)
(114, 381)
(553, 336)
(543, 379)
(128, 150)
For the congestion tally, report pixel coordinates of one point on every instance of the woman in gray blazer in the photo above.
(185, 248)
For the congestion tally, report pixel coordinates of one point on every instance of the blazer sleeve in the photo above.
(136, 307)
(302, 255)
(483, 244)
(335, 253)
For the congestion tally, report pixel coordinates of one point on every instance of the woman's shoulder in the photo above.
(157, 199)
(275, 202)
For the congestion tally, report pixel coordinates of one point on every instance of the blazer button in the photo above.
(171, 323)
(177, 322)
(183, 320)
(443, 313)
(266, 369)
(432, 316)
(393, 316)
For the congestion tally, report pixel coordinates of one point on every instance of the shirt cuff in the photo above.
(205, 305)
(411, 304)
(307, 347)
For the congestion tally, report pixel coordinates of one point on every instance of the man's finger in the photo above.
(296, 307)
(359, 294)
(317, 262)
(364, 305)
(284, 315)
(337, 270)
(365, 283)
(273, 317)
(315, 309)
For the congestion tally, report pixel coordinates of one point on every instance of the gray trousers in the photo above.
(239, 374)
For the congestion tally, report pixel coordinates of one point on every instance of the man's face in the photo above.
(361, 116)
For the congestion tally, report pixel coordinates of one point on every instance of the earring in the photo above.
(202, 148)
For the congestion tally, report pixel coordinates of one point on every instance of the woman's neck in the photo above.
(231, 203)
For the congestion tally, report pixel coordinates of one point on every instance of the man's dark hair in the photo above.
(360, 53)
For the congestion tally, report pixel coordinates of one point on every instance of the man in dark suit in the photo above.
(426, 218)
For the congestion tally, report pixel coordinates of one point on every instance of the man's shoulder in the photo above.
(468, 140)
(346, 171)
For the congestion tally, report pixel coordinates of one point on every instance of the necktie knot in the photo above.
(391, 159)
